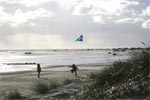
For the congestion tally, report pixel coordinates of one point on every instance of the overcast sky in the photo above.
(55, 24)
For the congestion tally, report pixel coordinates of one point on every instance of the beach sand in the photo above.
(23, 80)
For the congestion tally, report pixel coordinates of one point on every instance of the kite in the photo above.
(80, 39)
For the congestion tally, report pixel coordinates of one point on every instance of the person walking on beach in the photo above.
(74, 69)
(38, 70)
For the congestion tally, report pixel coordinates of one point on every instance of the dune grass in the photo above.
(54, 84)
(122, 80)
(37, 88)
(67, 81)
(44, 87)
(11, 95)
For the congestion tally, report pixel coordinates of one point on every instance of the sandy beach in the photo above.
(23, 80)
(19, 70)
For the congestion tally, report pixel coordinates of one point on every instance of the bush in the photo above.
(122, 80)
(53, 84)
(40, 88)
(13, 94)
(93, 75)
(67, 81)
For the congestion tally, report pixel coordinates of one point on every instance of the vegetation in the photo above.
(122, 80)
(53, 84)
(37, 89)
(67, 81)
(12, 94)
(40, 88)
(44, 87)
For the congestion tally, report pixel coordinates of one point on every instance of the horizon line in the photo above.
(78, 48)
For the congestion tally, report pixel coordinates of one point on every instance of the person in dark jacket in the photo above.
(74, 69)
(38, 70)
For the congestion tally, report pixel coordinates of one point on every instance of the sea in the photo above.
(26, 60)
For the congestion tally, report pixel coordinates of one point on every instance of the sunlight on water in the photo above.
(49, 58)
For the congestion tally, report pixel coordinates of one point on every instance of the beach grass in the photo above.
(11, 95)
(39, 88)
(54, 84)
(44, 87)
(67, 81)
(122, 80)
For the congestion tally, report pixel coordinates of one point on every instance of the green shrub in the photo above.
(67, 81)
(52, 84)
(40, 88)
(12, 94)
(44, 87)
(93, 75)
(123, 80)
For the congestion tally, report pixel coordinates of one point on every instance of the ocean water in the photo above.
(56, 57)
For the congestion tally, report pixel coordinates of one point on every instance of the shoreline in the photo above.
(22, 80)
(45, 67)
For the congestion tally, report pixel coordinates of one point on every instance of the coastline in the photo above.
(24, 79)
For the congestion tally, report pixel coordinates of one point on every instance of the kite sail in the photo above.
(80, 39)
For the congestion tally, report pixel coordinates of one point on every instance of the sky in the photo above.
(55, 24)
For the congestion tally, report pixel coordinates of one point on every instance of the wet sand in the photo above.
(23, 80)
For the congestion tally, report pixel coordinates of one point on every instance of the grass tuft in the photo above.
(123, 80)
(53, 84)
(12, 94)
(67, 81)
(40, 88)
(44, 87)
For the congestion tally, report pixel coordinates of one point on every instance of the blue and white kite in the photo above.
(80, 39)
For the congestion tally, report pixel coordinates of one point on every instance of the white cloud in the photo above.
(98, 19)
(26, 2)
(103, 7)
(146, 12)
(19, 17)
(67, 4)
(125, 20)
(139, 19)
(107, 11)
(32, 24)
(146, 24)
(145, 15)
(112, 11)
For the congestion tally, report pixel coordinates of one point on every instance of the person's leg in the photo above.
(71, 70)
(38, 74)
(76, 73)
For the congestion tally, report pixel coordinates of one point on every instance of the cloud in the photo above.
(108, 23)
(67, 4)
(125, 20)
(146, 24)
(28, 3)
(102, 7)
(114, 11)
(19, 17)
(146, 12)
(98, 19)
